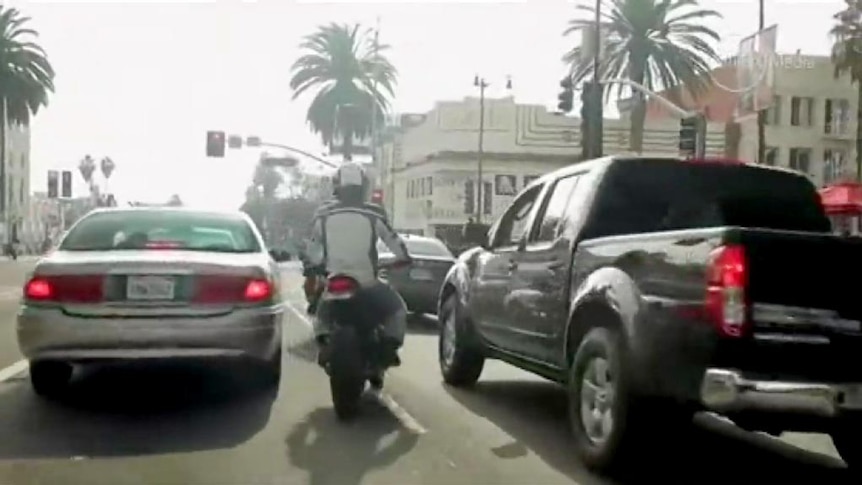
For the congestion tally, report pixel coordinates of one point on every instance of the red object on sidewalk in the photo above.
(842, 198)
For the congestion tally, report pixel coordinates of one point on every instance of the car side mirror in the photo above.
(279, 256)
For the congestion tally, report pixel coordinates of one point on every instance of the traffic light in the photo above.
(592, 120)
(469, 197)
(567, 95)
(215, 144)
(692, 135)
(53, 184)
(66, 191)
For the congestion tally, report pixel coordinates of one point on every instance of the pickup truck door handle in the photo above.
(555, 264)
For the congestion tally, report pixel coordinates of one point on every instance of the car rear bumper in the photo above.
(728, 391)
(420, 296)
(49, 333)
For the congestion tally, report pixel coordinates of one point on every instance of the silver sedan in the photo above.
(151, 283)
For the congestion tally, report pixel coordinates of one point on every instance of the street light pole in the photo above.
(481, 84)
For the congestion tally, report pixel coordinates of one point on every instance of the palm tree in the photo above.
(655, 43)
(353, 82)
(847, 58)
(26, 78)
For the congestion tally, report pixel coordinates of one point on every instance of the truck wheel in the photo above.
(600, 401)
(49, 378)
(461, 362)
(847, 438)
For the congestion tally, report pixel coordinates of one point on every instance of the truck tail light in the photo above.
(726, 298)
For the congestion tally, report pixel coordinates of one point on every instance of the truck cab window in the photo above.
(512, 225)
(555, 209)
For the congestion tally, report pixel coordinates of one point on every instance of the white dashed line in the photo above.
(13, 370)
(408, 421)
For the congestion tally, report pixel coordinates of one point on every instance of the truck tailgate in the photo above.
(806, 305)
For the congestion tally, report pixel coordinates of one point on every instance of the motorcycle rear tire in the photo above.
(346, 376)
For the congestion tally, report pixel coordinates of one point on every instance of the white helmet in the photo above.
(348, 175)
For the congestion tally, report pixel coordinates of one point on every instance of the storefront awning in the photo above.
(843, 198)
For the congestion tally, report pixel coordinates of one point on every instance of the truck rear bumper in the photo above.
(727, 391)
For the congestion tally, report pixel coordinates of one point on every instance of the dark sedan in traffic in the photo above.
(420, 283)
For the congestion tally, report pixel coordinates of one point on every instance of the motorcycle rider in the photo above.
(344, 241)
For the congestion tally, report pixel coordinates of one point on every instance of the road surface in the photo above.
(193, 426)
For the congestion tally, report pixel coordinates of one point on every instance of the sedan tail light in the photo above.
(232, 289)
(65, 288)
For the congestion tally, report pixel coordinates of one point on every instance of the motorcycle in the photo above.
(356, 357)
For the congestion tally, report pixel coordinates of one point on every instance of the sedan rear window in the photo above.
(180, 230)
(420, 247)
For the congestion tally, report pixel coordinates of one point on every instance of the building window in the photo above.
(430, 186)
(802, 111)
(773, 114)
(771, 156)
(836, 117)
(800, 159)
(21, 192)
(834, 165)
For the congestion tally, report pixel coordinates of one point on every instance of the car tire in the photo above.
(50, 378)
(847, 438)
(600, 379)
(460, 357)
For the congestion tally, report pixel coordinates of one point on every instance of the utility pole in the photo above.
(761, 113)
(374, 84)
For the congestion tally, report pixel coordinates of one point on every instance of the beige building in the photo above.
(811, 125)
(17, 171)
(429, 161)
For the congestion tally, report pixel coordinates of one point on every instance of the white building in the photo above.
(429, 161)
(17, 171)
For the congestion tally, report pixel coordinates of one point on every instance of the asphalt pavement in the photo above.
(167, 425)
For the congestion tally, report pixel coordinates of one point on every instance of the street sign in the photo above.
(66, 191)
(53, 184)
(253, 142)
(234, 141)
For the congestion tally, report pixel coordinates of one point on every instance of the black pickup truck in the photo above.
(656, 288)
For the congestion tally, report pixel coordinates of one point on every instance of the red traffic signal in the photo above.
(215, 144)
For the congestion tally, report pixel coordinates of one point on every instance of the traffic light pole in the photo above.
(480, 206)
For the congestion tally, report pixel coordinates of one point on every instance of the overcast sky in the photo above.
(141, 81)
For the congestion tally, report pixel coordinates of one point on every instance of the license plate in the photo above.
(150, 288)
(421, 274)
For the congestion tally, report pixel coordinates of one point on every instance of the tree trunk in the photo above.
(859, 131)
(347, 146)
(636, 136)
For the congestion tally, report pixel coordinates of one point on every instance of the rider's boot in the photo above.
(323, 351)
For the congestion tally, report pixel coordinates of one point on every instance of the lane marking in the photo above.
(13, 370)
(382, 397)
